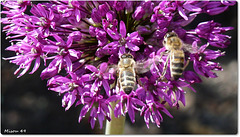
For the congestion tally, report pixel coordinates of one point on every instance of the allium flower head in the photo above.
(81, 42)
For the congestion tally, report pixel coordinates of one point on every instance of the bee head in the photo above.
(168, 36)
(126, 56)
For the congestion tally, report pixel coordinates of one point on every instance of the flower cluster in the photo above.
(80, 43)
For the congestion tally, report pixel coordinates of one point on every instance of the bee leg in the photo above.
(187, 62)
(159, 60)
(118, 87)
(139, 81)
(163, 53)
(165, 67)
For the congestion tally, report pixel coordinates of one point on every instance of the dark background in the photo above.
(27, 104)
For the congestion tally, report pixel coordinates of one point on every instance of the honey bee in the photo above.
(127, 74)
(128, 69)
(174, 47)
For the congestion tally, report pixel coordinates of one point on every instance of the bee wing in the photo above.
(143, 66)
(189, 48)
(113, 68)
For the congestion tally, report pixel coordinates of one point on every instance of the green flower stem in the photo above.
(116, 125)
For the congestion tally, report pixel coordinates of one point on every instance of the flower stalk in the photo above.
(116, 125)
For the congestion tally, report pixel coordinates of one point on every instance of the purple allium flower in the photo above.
(14, 9)
(184, 7)
(127, 104)
(163, 14)
(191, 77)
(71, 87)
(110, 21)
(151, 111)
(121, 41)
(139, 13)
(63, 55)
(80, 43)
(213, 33)
(97, 104)
(27, 51)
(119, 5)
(100, 76)
(43, 18)
(144, 10)
(71, 9)
(217, 7)
(100, 112)
(202, 61)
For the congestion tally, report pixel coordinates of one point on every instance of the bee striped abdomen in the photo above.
(127, 80)
(177, 64)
